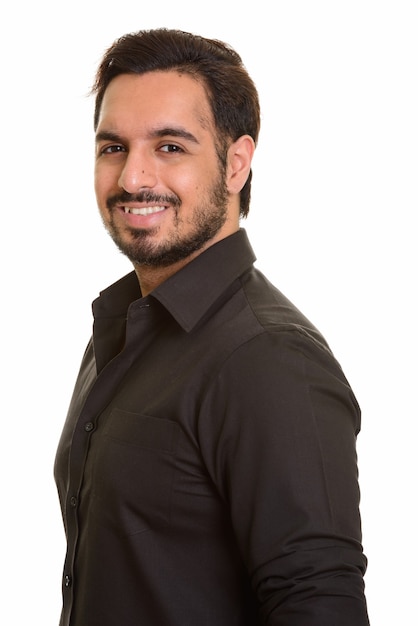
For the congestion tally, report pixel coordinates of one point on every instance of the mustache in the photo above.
(143, 196)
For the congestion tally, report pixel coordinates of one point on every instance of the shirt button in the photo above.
(67, 580)
(73, 501)
(88, 427)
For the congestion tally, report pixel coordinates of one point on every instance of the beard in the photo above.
(206, 219)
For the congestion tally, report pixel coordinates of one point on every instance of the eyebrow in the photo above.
(169, 131)
(106, 135)
(174, 132)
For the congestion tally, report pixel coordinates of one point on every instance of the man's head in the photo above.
(231, 93)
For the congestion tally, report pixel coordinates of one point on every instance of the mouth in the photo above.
(147, 210)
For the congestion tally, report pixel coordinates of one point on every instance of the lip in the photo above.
(144, 210)
(142, 215)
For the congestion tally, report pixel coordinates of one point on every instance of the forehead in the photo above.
(156, 97)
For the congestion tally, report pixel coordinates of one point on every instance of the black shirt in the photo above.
(207, 468)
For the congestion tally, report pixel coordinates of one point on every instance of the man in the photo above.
(207, 468)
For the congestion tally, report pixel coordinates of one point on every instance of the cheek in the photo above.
(103, 182)
(192, 183)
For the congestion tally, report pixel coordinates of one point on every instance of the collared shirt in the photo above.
(207, 469)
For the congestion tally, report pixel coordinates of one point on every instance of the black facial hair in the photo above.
(207, 219)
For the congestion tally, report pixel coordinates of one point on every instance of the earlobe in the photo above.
(240, 156)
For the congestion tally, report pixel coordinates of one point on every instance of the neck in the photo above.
(151, 277)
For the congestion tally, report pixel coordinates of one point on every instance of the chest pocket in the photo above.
(134, 471)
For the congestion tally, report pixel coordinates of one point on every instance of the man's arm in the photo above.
(278, 433)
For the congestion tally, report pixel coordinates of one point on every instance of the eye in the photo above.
(171, 148)
(113, 149)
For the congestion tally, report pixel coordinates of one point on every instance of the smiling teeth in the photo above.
(145, 210)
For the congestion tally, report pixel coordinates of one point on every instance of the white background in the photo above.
(332, 223)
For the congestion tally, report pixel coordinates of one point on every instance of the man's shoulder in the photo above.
(272, 309)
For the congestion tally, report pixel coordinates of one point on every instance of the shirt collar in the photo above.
(189, 293)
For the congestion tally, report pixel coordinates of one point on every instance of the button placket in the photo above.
(68, 580)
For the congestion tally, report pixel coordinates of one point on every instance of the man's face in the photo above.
(159, 183)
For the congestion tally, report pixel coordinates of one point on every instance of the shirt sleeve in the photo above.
(278, 433)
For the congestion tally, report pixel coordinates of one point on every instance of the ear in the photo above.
(240, 155)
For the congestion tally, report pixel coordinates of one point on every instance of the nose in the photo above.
(138, 173)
